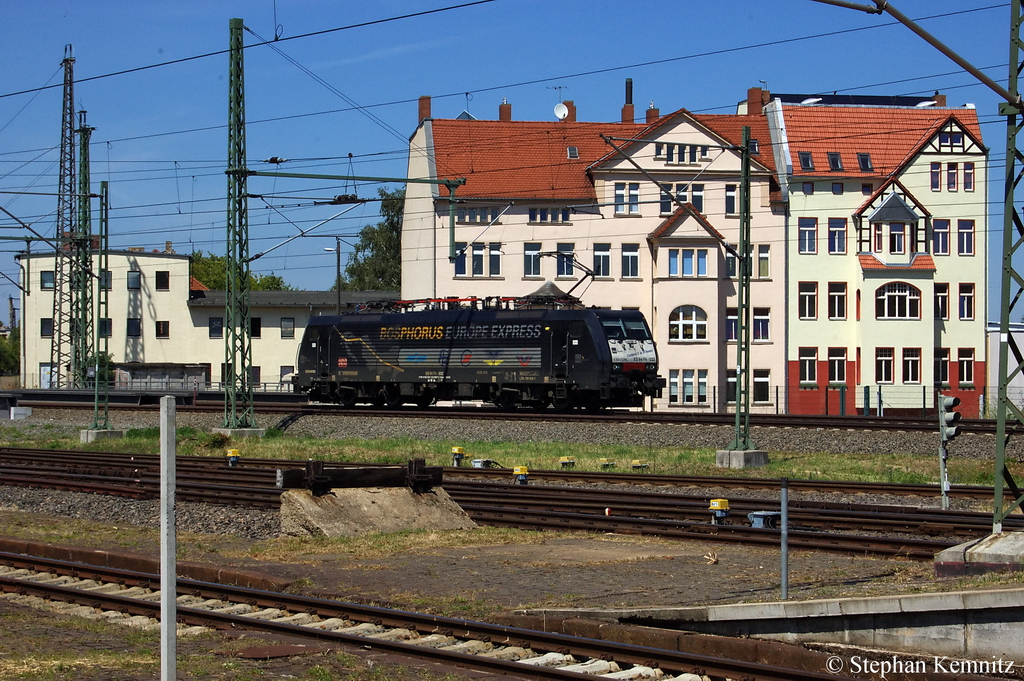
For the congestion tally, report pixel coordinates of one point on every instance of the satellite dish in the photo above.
(561, 111)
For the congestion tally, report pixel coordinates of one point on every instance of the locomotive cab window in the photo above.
(617, 329)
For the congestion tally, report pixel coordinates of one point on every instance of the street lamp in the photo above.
(337, 275)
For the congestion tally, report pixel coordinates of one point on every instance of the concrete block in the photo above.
(1003, 552)
(870, 606)
(818, 608)
(240, 432)
(736, 458)
(994, 598)
(18, 413)
(87, 436)
(942, 602)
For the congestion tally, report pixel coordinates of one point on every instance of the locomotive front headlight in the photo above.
(616, 367)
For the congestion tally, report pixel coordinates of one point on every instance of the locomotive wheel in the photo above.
(393, 397)
(561, 404)
(507, 401)
(425, 399)
(347, 398)
(541, 405)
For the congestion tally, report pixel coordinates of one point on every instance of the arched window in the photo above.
(688, 323)
(897, 301)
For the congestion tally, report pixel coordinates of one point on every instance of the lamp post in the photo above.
(337, 275)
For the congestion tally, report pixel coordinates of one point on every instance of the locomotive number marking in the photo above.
(342, 362)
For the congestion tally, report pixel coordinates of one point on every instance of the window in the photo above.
(807, 188)
(163, 329)
(837, 188)
(730, 263)
(602, 260)
(808, 235)
(730, 199)
(942, 301)
(965, 237)
(806, 161)
(763, 261)
(808, 300)
(256, 327)
(134, 328)
(883, 365)
(936, 177)
(762, 383)
(732, 324)
(216, 325)
(951, 140)
(755, 147)
(104, 328)
(666, 205)
(952, 176)
(494, 259)
(897, 301)
(547, 215)
(673, 385)
(966, 301)
(837, 365)
(695, 262)
(630, 261)
(565, 258)
(634, 198)
(835, 161)
(940, 237)
(864, 161)
(46, 327)
(673, 262)
(285, 371)
(254, 376)
(134, 280)
(897, 237)
(688, 323)
(482, 215)
(762, 323)
(697, 197)
(808, 360)
(837, 236)
(531, 260)
(867, 188)
(837, 300)
(968, 177)
(942, 366)
(572, 152)
(695, 386)
(163, 280)
(47, 280)
(460, 258)
(965, 365)
(106, 280)
(911, 365)
(879, 237)
(287, 327)
(478, 259)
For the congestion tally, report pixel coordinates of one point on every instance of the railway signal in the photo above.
(948, 418)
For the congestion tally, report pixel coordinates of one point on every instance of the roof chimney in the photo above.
(504, 110)
(940, 100)
(572, 110)
(652, 113)
(167, 247)
(756, 99)
(627, 108)
(424, 107)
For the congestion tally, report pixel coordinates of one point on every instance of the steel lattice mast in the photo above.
(238, 400)
(60, 347)
(80, 266)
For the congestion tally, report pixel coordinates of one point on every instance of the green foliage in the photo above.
(211, 270)
(10, 354)
(376, 262)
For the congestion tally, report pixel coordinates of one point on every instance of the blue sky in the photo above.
(161, 135)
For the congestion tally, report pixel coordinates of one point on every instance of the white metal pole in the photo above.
(168, 544)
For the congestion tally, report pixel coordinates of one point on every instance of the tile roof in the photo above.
(921, 261)
(522, 159)
(677, 218)
(891, 135)
(731, 128)
(196, 285)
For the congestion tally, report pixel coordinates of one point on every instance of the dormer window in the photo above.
(806, 162)
(573, 152)
(755, 148)
(835, 161)
(864, 161)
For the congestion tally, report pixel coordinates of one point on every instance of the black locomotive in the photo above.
(533, 357)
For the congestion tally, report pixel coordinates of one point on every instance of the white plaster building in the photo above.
(166, 330)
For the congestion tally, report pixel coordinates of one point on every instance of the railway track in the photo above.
(488, 412)
(132, 599)
(852, 528)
